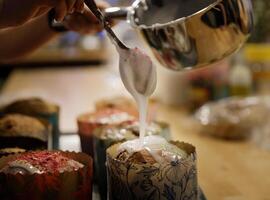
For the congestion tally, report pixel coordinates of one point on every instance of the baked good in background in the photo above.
(88, 122)
(20, 133)
(118, 102)
(233, 118)
(39, 108)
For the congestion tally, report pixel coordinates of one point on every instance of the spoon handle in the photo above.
(96, 11)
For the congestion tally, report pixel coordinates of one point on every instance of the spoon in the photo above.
(96, 11)
(136, 68)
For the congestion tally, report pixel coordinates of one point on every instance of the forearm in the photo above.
(22, 40)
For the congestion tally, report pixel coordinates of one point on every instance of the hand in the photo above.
(84, 22)
(15, 12)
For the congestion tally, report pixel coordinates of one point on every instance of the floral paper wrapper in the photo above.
(100, 147)
(159, 181)
(58, 186)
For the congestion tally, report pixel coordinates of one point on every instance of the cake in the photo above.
(126, 104)
(106, 136)
(46, 175)
(119, 102)
(31, 106)
(37, 108)
(233, 118)
(87, 123)
(41, 162)
(152, 169)
(20, 131)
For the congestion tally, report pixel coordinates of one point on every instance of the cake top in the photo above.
(11, 150)
(118, 102)
(15, 125)
(40, 162)
(128, 131)
(107, 116)
(31, 106)
(150, 150)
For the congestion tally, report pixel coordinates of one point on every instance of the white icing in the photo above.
(140, 78)
(129, 132)
(157, 146)
(114, 118)
(19, 165)
(143, 104)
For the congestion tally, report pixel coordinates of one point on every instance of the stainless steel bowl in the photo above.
(186, 34)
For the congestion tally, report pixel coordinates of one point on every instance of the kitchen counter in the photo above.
(227, 170)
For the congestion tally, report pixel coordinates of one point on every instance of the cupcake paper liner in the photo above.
(175, 180)
(85, 131)
(71, 185)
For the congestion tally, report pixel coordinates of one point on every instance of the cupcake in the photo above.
(38, 108)
(121, 103)
(152, 169)
(88, 122)
(127, 105)
(22, 132)
(46, 175)
(106, 136)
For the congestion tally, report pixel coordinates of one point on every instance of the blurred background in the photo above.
(243, 74)
(228, 100)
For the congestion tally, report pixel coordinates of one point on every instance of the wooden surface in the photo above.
(227, 170)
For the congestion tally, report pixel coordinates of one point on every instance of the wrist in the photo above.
(53, 24)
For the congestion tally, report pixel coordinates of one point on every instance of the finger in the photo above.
(90, 16)
(92, 19)
(73, 23)
(79, 6)
(60, 8)
(70, 6)
(42, 11)
(78, 23)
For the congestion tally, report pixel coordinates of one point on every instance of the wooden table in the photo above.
(227, 170)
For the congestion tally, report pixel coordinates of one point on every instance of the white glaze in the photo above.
(157, 146)
(140, 78)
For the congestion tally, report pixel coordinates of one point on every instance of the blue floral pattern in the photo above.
(160, 181)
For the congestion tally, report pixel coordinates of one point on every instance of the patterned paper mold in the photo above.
(47, 184)
(107, 136)
(143, 178)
